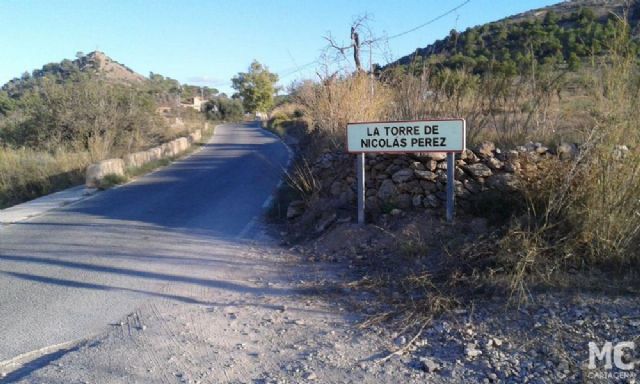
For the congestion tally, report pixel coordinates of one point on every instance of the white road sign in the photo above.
(446, 135)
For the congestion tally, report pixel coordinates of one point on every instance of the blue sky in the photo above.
(206, 42)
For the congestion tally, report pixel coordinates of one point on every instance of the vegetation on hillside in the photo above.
(84, 114)
(204, 92)
(510, 46)
(58, 119)
(95, 64)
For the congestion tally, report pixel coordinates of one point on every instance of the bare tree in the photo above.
(359, 26)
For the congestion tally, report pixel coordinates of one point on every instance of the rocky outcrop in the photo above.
(96, 172)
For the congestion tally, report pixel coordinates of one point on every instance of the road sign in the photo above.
(406, 136)
(445, 135)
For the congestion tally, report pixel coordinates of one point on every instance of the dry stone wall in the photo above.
(98, 171)
(407, 182)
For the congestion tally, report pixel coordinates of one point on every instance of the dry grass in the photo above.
(302, 180)
(26, 174)
(338, 101)
(508, 109)
(586, 214)
(503, 108)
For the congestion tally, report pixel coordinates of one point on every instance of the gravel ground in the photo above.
(278, 332)
(299, 326)
(487, 340)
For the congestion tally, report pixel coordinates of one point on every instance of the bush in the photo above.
(277, 122)
(289, 119)
(111, 180)
(224, 109)
(84, 115)
(52, 128)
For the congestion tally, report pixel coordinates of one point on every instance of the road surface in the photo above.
(70, 273)
(169, 280)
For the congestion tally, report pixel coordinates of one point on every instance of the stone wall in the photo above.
(409, 182)
(96, 172)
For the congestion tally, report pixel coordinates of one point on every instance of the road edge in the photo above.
(269, 200)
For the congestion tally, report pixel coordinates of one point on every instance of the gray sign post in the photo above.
(451, 183)
(446, 135)
(361, 187)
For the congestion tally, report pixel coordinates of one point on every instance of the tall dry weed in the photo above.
(586, 213)
(26, 173)
(337, 101)
(302, 180)
(505, 108)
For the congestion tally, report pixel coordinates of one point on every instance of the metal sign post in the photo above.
(445, 135)
(451, 183)
(361, 187)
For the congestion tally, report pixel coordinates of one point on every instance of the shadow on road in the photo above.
(209, 283)
(38, 363)
(168, 296)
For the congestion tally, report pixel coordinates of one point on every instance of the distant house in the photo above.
(196, 103)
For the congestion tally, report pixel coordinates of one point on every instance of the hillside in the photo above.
(58, 119)
(564, 33)
(600, 8)
(93, 64)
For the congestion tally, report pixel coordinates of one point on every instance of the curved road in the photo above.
(68, 274)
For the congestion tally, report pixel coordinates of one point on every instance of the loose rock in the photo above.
(478, 170)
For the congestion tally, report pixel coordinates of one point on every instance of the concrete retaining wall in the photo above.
(96, 172)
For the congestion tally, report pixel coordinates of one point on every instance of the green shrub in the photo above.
(224, 109)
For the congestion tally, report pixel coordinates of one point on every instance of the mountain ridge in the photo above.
(559, 20)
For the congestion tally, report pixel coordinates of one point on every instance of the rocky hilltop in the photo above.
(110, 69)
(95, 64)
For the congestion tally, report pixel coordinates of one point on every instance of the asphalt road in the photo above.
(173, 234)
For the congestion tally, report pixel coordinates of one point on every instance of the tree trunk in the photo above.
(355, 41)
